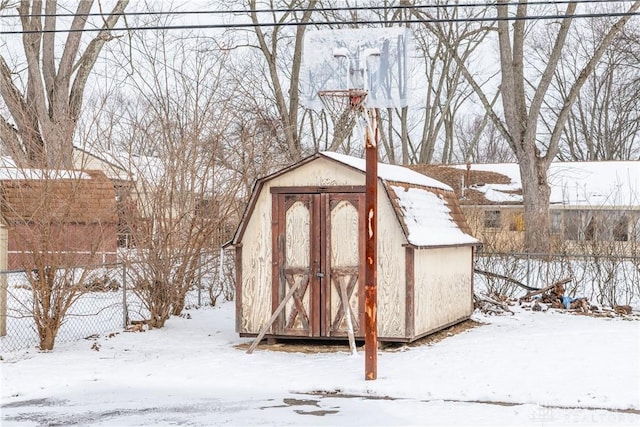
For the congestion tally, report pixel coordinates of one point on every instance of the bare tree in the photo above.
(283, 80)
(522, 120)
(604, 123)
(256, 142)
(62, 226)
(480, 142)
(522, 103)
(183, 204)
(445, 89)
(45, 108)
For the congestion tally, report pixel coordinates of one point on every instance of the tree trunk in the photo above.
(42, 118)
(179, 300)
(47, 338)
(48, 331)
(536, 192)
(157, 320)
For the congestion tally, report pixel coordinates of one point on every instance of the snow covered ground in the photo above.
(528, 369)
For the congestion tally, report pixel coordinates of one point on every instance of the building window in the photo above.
(621, 229)
(634, 229)
(586, 225)
(571, 226)
(556, 222)
(591, 230)
(517, 222)
(575, 223)
(492, 219)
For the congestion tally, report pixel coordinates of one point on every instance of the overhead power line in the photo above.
(320, 9)
(382, 22)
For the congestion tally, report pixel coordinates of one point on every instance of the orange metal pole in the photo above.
(371, 249)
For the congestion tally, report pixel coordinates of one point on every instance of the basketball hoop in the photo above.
(343, 105)
(339, 102)
(341, 59)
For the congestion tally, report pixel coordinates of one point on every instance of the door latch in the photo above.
(320, 274)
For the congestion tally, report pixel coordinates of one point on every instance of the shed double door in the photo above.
(317, 248)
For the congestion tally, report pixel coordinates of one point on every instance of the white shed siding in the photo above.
(256, 271)
(391, 271)
(298, 249)
(442, 287)
(321, 172)
(344, 241)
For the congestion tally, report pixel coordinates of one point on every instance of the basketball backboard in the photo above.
(373, 59)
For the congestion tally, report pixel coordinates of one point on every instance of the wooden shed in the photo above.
(302, 226)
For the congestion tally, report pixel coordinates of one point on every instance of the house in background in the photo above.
(113, 169)
(123, 182)
(142, 194)
(70, 215)
(594, 205)
(134, 181)
(303, 227)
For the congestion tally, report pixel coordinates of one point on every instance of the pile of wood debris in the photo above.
(492, 305)
(552, 296)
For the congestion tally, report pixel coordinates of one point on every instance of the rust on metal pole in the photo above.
(371, 248)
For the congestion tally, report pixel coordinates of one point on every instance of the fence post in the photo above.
(3, 301)
(548, 261)
(3, 279)
(221, 281)
(125, 310)
(200, 279)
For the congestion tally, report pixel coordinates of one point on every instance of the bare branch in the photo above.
(582, 78)
(88, 58)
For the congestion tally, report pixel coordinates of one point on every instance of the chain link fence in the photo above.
(605, 279)
(108, 304)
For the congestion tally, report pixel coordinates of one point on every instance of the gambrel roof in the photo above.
(427, 209)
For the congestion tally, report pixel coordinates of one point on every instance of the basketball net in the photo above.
(346, 106)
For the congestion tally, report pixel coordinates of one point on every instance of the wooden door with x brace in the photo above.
(316, 250)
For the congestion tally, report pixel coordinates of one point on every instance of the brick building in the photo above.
(67, 218)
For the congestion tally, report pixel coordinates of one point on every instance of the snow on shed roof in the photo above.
(429, 218)
(602, 184)
(426, 208)
(390, 172)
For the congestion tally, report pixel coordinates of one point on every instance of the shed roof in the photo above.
(389, 172)
(573, 184)
(427, 209)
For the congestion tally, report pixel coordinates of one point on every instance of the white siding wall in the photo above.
(391, 271)
(443, 291)
(256, 267)
(86, 161)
